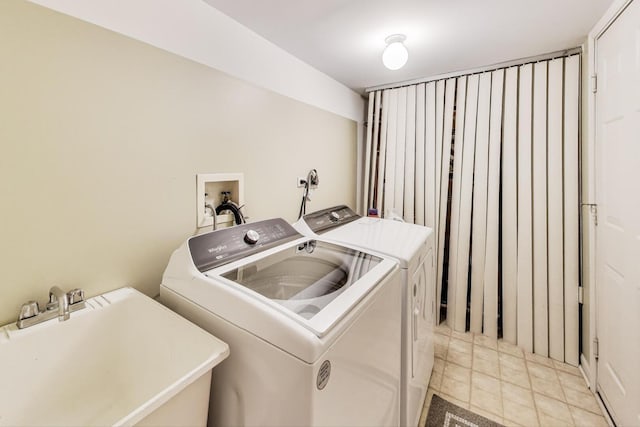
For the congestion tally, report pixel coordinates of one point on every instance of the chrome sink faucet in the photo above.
(61, 304)
(58, 300)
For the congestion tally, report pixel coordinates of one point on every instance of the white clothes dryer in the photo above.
(412, 246)
(313, 327)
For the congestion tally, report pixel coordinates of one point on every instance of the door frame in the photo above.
(588, 364)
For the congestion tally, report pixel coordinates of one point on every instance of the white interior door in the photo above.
(618, 229)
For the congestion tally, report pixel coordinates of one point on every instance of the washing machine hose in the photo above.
(235, 209)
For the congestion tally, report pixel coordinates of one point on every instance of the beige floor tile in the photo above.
(436, 380)
(547, 387)
(441, 345)
(567, 368)
(514, 376)
(453, 400)
(485, 382)
(573, 382)
(442, 329)
(551, 408)
(459, 352)
(584, 418)
(512, 393)
(488, 415)
(508, 348)
(508, 423)
(512, 362)
(538, 359)
(457, 372)
(486, 400)
(462, 336)
(457, 389)
(582, 400)
(548, 420)
(441, 339)
(460, 359)
(541, 371)
(460, 345)
(440, 351)
(519, 414)
(486, 366)
(485, 341)
(485, 353)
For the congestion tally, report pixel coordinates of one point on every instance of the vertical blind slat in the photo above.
(510, 207)
(390, 168)
(447, 135)
(490, 323)
(479, 220)
(367, 152)
(401, 133)
(539, 148)
(466, 203)
(410, 156)
(430, 151)
(556, 201)
(452, 287)
(382, 163)
(374, 151)
(420, 144)
(525, 244)
(440, 104)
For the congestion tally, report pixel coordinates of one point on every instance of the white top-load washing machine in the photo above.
(412, 246)
(313, 327)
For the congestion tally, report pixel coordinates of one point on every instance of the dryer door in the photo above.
(422, 316)
(418, 289)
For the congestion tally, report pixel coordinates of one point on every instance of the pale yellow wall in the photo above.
(101, 138)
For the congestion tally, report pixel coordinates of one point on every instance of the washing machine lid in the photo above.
(401, 240)
(313, 282)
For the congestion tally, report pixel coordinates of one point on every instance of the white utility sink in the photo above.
(125, 359)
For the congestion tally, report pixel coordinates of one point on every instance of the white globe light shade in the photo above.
(395, 55)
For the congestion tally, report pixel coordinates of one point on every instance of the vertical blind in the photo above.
(489, 161)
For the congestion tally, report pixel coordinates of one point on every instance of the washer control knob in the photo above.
(334, 217)
(252, 237)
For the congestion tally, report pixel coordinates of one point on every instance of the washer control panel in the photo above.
(328, 219)
(223, 246)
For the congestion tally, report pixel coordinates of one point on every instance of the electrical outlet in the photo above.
(300, 181)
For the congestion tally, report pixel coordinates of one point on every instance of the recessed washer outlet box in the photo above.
(209, 187)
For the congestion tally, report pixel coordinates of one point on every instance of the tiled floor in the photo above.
(501, 382)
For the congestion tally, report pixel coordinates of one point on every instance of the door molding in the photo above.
(588, 190)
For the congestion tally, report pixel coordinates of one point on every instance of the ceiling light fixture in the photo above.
(395, 55)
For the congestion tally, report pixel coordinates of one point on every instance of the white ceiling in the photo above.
(345, 38)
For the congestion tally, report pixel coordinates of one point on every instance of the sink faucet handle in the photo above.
(75, 296)
(29, 309)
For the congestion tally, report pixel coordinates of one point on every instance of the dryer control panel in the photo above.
(328, 219)
(229, 244)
